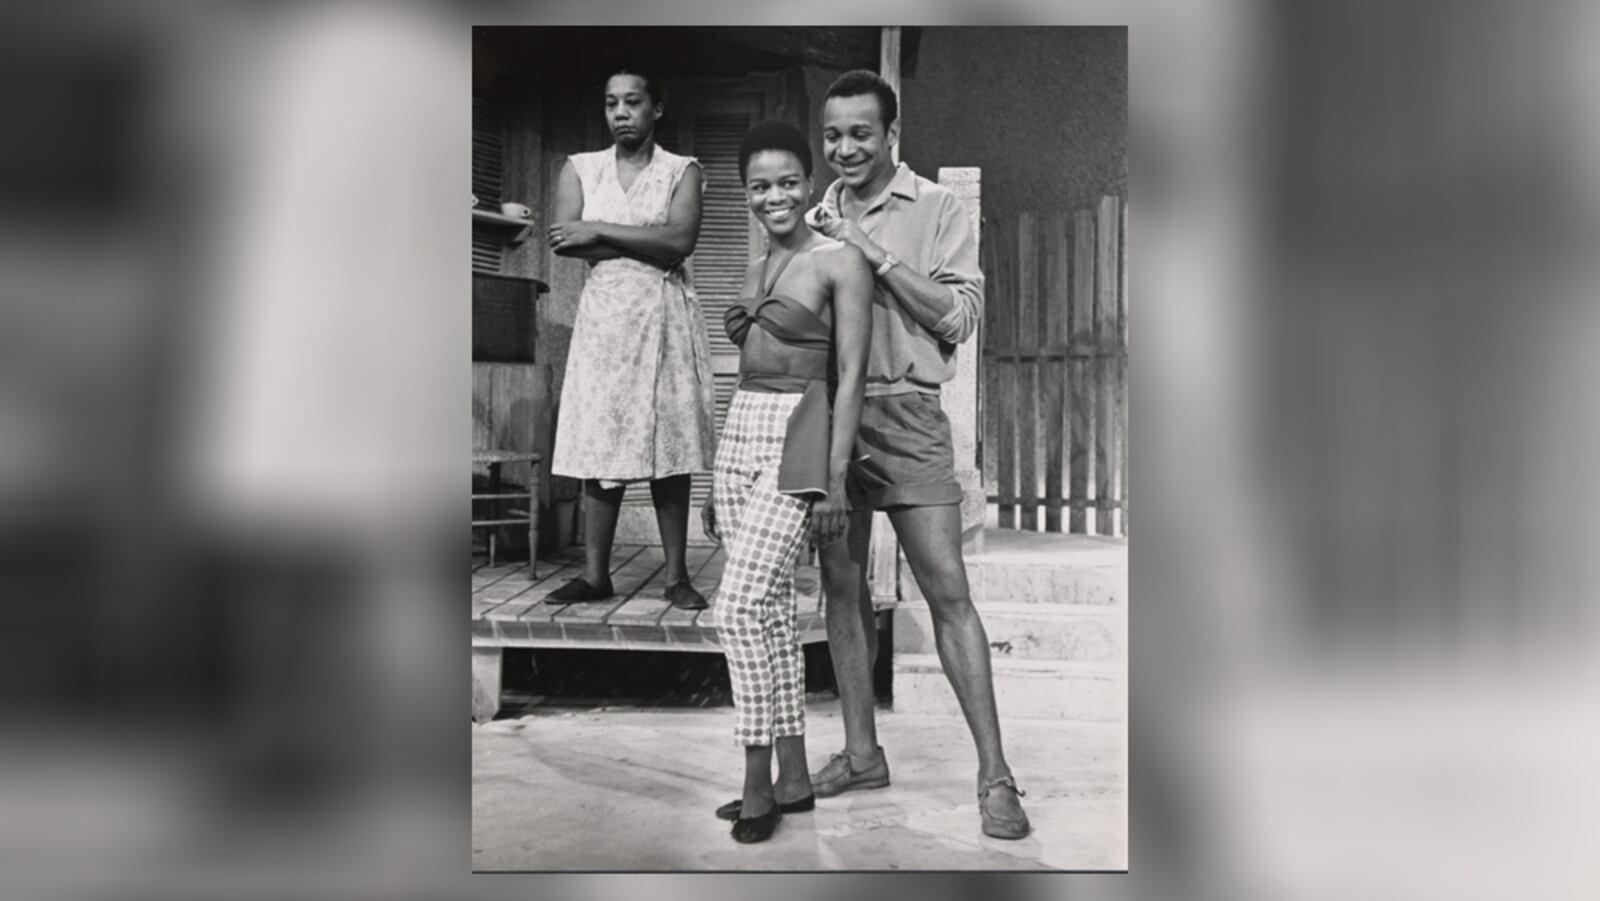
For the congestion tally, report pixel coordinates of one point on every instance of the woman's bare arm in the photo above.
(568, 207)
(668, 243)
(852, 329)
(664, 245)
(851, 283)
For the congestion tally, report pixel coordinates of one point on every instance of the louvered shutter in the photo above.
(488, 176)
(723, 251)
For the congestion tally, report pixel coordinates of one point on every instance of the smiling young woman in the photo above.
(803, 326)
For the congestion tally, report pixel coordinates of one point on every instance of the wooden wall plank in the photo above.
(1030, 435)
(1002, 341)
(482, 406)
(1080, 426)
(1006, 371)
(1122, 381)
(989, 394)
(1057, 271)
(1106, 364)
(1029, 453)
(992, 424)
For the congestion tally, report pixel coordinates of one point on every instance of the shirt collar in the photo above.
(903, 184)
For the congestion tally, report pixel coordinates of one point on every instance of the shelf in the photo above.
(519, 227)
(539, 287)
(493, 218)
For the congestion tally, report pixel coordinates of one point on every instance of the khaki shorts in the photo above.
(904, 457)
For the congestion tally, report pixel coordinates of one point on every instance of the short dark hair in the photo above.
(774, 135)
(652, 85)
(865, 81)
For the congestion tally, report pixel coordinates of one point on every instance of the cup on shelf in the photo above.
(516, 211)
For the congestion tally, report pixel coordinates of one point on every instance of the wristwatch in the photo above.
(889, 262)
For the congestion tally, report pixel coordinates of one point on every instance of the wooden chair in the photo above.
(494, 460)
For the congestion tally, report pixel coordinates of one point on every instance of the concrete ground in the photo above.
(634, 789)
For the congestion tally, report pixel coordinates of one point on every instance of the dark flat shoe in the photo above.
(730, 810)
(683, 596)
(757, 829)
(578, 591)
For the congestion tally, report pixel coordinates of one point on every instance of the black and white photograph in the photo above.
(800, 522)
(799, 410)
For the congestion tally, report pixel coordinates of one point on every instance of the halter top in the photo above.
(785, 348)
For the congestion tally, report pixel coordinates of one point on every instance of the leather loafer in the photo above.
(997, 826)
(839, 775)
(750, 830)
(730, 810)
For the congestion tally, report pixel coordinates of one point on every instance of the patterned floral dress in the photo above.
(637, 402)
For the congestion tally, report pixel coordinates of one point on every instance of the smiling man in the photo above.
(928, 298)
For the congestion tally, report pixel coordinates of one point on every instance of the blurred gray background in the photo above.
(231, 424)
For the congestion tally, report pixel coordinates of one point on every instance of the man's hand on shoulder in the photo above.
(848, 231)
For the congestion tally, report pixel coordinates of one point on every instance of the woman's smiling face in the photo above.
(778, 190)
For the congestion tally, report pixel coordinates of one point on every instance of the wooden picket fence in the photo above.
(1055, 370)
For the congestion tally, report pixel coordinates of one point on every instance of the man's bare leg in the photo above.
(852, 632)
(931, 537)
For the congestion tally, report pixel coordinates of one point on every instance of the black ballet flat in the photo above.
(730, 810)
(757, 829)
(579, 591)
(683, 596)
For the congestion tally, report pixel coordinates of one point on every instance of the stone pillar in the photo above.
(889, 71)
(960, 395)
(883, 569)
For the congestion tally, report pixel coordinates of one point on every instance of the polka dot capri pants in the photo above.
(762, 532)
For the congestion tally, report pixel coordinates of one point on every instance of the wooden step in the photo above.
(1024, 689)
(1086, 633)
(1018, 567)
(1063, 579)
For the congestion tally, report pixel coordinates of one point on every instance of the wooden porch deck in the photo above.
(509, 608)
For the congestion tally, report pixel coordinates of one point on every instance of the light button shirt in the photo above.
(924, 225)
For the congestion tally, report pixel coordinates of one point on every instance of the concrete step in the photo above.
(1015, 567)
(1024, 689)
(1084, 633)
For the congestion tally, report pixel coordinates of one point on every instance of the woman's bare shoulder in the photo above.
(840, 256)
